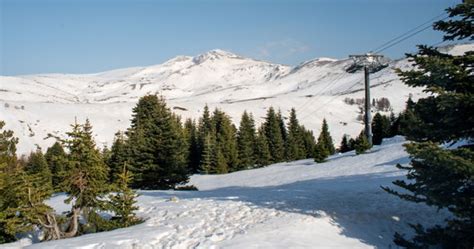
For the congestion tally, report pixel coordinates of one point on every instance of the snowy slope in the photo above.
(337, 204)
(35, 105)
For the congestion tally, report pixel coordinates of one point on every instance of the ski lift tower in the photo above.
(370, 63)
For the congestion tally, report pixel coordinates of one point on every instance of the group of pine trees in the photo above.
(158, 151)
(81, 172)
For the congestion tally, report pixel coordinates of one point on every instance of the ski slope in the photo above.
(301, 204)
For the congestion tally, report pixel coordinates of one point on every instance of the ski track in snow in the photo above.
(301, 204)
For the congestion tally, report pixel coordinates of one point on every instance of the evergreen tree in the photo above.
(56, 158)
(226, 142)
(295, 146)
(86, 176)
(7, 161)
(441, 177)
(361, 144)
(273, 133)
(206, 141)
(206, 163)
(380, 128)
(193, 146)
(408, 123)
(118, 156)
(345, 144)
(326, 139)
(309, 142)
(246, 141)
(281, 123)
(22, 194)
(38, 168)
(155, 146)
(262, 150)
(26, 209)
(122, 203)
(321, 152)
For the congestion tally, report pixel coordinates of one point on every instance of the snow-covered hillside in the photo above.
(37, 105)
(337, 204)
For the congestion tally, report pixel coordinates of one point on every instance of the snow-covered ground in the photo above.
(337, 204)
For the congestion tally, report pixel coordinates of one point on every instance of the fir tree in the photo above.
(206, 141)
(281, 123)
(193, 145)
(440, 177)
(295, 146)
(226, 142)
(273, 133)
(326, 139)
(321, 152)
(122, 203)
(246, 141)
(324, 146)
(155, 146)
(38, 168)
(26, 209)
(309, 142)
(361, 144)
(206, 163)
(345, 144)
(118, 156)
(380, 128)
(262, 150)
(56, 158)
(7, 162)
(86, 178)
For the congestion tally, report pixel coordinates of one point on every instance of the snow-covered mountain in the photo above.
(37, 105)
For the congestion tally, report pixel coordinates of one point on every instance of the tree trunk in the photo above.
(73, 224)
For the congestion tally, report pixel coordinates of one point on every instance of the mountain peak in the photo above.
(214, 54)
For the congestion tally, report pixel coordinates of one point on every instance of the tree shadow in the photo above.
(355, 203)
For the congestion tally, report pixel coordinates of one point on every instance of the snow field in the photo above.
(301, 204)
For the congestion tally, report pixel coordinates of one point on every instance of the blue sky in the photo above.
(72, 36)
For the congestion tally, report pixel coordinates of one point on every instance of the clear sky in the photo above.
(72, 36)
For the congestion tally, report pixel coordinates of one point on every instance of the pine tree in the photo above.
(155, 146)
(345, 145)
(118, 156)
(262, 150)
(38, 168)
(295, 146)
(56, 158)
(246, 142)
(226, 142)
(206, 163)
(326, 139)
(321, 152)
(86, 177)
(7, 161)
(309, 142)
(274, 136)
(380, 128)
(324, 146)
(193, 145)
(281, 123)
(26, 209)
(206, 141)
(441, 177)
(361, 144)
(122, 203)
